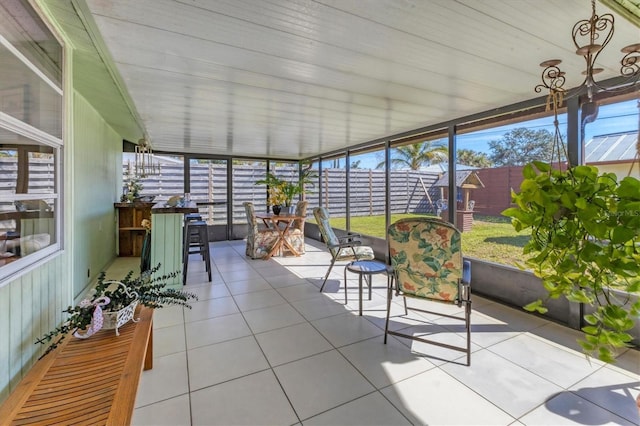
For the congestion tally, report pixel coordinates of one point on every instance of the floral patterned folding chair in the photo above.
(259, 241)
(347, 247)
(295, 236)
(426, 258)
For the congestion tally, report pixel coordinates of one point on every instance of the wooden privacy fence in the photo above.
(367, 189)
(496, 194)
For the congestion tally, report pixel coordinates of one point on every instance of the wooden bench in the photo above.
(92, 381)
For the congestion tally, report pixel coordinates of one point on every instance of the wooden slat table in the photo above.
(275, 221)
(92, 381)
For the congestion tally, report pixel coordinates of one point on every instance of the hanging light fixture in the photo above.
(145, 164)
(590, 37)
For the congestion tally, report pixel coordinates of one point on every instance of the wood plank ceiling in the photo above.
(296, 78)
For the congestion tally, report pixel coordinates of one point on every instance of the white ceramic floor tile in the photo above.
(372, 409)
(299, 292)
(292, 343)
(214, 330)
(210, 308)
(397, 321)
(321, 382)
(230, 263)
(561, 335)
(208, 291)
(213, 364)
(437, 354)
(560, 366)
(345, 329)
(167, 379)
(316, 308)
(435, 398)
(516, 319)
(384, 364)
(284, 279)
(168, 316)
(251, 400)
(273, 317)
(239, 274)
(169, 340)
(248, 286)
(507, 385)
(628, 363)
(258, 300)
(377, 303)
(520, 364)
(567, 408)
(170, 412)
(613, 391)
(485, 331)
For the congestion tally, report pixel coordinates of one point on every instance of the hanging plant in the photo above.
(585, 245)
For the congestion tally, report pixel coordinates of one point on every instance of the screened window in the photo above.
(30, 138)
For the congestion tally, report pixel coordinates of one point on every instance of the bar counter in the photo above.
(166, 238)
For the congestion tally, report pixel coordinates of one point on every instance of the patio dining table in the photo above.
(274, 221)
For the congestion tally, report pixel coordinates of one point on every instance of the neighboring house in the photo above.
(614, 153)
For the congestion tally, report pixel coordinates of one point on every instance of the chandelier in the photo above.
(145, 164)
(590, 37)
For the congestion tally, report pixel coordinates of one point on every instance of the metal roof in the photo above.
(612, 147)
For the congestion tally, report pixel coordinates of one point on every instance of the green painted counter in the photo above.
(166, 238)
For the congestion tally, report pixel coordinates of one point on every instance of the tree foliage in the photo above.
(521, 146)
(417, 155)
(473, 158)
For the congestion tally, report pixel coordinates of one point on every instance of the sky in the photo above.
(614, 118)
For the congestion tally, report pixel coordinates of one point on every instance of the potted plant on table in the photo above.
(112, 304)
(282, 192)
(132, 189)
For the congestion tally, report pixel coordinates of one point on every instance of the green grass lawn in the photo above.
(491, 238)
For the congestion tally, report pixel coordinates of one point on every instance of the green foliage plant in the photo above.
(148, 290)
(282, 191)
(585, 245)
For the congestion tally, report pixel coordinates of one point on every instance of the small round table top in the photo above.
(367, 267)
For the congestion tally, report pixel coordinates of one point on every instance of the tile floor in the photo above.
(263, 346)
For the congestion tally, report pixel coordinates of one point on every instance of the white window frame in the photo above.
(27, 263)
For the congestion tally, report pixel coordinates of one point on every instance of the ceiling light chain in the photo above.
(596, 31)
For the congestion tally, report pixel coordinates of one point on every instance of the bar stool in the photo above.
(196, 241)
(193, 238)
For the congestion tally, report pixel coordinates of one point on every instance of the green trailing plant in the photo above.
(585, 245)
(148, 290)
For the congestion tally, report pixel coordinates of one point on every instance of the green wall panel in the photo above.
(29, 306)
(166, 244)
(97, 156)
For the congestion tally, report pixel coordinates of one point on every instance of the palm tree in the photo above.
(470, 157)
(417, 155)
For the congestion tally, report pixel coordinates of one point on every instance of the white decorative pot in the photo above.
(116, 319)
